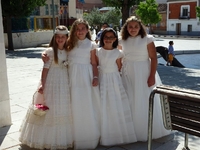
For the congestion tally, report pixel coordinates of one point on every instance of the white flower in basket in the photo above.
(39, 107)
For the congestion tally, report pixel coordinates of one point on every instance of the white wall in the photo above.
(72, 8)
(94, 1)
(161, 1)
(5, 115)
(184, 24)
(49, 2)
(29, 39)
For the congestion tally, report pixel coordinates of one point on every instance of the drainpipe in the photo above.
(53, 16)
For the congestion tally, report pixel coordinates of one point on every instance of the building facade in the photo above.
(90, 4)
(182, 18)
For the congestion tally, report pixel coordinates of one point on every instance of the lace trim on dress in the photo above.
(47, 146)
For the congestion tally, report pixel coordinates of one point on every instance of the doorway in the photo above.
(178, 29)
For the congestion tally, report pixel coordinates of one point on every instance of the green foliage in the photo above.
(20, 8)
(124, 5)
(198, 12)
(96, 18)
(148, 12)
(112, 17)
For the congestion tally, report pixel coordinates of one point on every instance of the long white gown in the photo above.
(135, 73)
(85, 98)
(116, 118)
(54, 130)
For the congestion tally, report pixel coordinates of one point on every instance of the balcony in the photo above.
(184, 17)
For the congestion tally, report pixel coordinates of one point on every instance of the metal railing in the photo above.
(180, 110)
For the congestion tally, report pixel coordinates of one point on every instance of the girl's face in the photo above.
(108, 39)
(133, 28)
(81, 31)
(60, 40)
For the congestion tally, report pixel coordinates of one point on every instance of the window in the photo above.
(47, 9)
(51, 9)
(185, 11)
(189, 28)
(55, 9)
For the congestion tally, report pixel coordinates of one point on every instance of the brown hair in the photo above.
(54, 45)
(106, 30)
(72, 40)
(125, 34)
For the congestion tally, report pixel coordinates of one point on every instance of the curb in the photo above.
(43, 45)
(182, 52)
(177, 37)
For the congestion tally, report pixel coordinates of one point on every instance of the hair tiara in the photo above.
(61, 31)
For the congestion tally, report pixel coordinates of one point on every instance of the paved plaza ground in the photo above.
(24, 69)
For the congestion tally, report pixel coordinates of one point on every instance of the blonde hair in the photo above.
(53, 43)
(125, 34)
(72, 40)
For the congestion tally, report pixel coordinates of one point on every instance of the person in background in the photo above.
(104, 25)
(170, 53)
(147, 29)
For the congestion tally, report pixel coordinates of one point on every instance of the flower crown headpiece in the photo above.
(61, 32)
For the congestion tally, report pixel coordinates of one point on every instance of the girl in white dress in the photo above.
(140, 77)
(116, 118)
(84, 89)
(54, 130)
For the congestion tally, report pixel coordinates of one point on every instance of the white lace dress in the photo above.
(54, 130)
(135, 73)
(85, 98)
(116, 118)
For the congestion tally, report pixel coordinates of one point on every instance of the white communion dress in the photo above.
(54, 130)
(85, 97)
(135, 73)
(116, 118)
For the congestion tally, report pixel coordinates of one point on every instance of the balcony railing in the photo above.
(184, 17)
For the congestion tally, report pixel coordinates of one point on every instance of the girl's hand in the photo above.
(45, 58)
(95, 82)
(41, 89)
(151, 81)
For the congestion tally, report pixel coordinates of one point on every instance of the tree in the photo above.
(124, 5)
(112, 17)
(96, 18)
(17, 8)
(198, 12)
(148, 12)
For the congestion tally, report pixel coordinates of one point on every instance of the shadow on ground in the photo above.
(3, 132)
(27, 53)
(180, 77)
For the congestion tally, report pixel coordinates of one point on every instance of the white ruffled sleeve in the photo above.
(150, 38)
(121, 54)
(94, 45)
(120, 41)
(97, 51)
(50, 54)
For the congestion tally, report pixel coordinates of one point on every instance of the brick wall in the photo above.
(175, 9)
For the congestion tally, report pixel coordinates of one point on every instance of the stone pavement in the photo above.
(24, 69)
